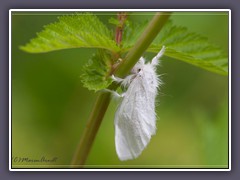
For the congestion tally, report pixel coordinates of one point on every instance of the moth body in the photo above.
(135, 119)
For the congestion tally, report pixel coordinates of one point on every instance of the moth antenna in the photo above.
(158, 56)
(142, 60)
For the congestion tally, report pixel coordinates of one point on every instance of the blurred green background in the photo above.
(50, 107)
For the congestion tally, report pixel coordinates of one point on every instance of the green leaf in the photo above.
(83, 30)
(131, 33)
(96, 72)
(185, 46)
(114, 21)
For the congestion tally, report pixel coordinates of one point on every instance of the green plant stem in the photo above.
(92, 126)
(103, 99)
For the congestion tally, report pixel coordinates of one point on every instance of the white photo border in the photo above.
(122, 169)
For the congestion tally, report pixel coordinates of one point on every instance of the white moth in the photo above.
(135, 119)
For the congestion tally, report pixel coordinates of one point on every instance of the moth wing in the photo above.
(135, 121)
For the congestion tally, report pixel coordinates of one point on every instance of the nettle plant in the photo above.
(118, 51)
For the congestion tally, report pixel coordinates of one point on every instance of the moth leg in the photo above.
(117, 95)
(124, 82)
(117, 79)
(114, 93)
(127, 81)
(158, 56)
